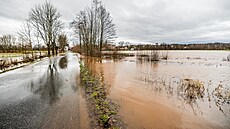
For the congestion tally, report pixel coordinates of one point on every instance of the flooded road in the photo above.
(152, 94)
(43, 95)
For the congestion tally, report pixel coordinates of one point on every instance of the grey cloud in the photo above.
(144, 20)
(171, 20)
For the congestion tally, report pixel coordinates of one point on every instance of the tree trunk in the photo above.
(32, 50)
(48, 47)
(101, 39)
(53, 48)
(53, 53)
(80, 40)
(56, 50)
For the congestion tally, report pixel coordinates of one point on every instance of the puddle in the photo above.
(43, 95)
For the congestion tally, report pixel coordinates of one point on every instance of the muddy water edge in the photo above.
(150, 94)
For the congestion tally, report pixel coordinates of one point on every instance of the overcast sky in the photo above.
(171, 21)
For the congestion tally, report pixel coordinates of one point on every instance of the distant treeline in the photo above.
(208, 46)
(10, 44)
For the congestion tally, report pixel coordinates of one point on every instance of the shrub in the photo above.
(192, 89)
(165, 56)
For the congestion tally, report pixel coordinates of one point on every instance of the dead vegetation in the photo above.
(6, 63)
(191, 89)
(148, 56)
(152, 56)
(116, 55)
(165, 55)
(222, 94)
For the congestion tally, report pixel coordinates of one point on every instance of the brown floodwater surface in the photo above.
(150, 95)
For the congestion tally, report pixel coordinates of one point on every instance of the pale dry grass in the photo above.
(9, 55)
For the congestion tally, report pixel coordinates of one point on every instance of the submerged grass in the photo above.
(117, 55)
(102, 111)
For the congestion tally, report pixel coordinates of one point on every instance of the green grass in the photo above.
(103, 110)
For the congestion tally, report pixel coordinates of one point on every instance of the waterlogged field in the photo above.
(189, 90)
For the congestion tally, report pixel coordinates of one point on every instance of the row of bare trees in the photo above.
(7, 43)
(10, 44)
(43, 25)
(94, 27)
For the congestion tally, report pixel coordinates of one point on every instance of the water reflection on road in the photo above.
(43, 95)
(48, 86)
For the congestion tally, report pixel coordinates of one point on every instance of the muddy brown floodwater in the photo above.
(150, 94)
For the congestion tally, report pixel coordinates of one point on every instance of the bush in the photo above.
(152, 56)
(165, 56)
(191, 89)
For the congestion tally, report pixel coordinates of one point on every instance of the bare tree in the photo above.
(62, 40)
(94, 27)
(36, 34)
(107, 28)
(25, 33)
(4, 43)
(56, 31)
(7, 43)
(46, 21)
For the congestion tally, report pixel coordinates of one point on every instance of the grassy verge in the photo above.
(8, 55)
(102, 111)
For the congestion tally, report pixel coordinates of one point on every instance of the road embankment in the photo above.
(102, 110)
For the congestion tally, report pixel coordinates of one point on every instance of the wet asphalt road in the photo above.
(41, 95)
